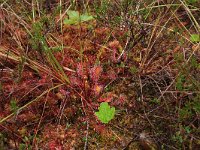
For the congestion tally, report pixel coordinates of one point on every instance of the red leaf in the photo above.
(99, 128)
(52, 145)
(97, 89)
(80, 70)
(108, 97)
(75, 81)
(114, 44)
(95, 73)
(112, 75)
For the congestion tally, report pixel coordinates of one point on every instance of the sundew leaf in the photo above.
(95, 73)
(75, 17)
(195, 38)
(105, 113)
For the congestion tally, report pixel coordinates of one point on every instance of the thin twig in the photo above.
(86, 137)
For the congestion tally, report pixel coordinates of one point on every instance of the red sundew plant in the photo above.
(87, 80)
(95, 73)
(89, 83)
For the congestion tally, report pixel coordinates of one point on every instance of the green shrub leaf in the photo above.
(86, 17)
(105, 113)
(75, 17)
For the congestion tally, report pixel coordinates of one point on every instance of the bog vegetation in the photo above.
(99, 74)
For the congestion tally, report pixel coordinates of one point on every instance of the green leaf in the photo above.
(192, 1)
(56, 49)
(195, 38)
(86, 17)
(133, 69)
(75, 17)
(22, 146)
(73, 14)
(180, 82)
(105, 113)
(155, 101)
(13, 105)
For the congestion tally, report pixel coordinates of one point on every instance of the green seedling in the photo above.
(13, 105)
(105, 113)
(155, 101)
(75, 17)
(195, 38)
(180, 82)
(133, 69)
